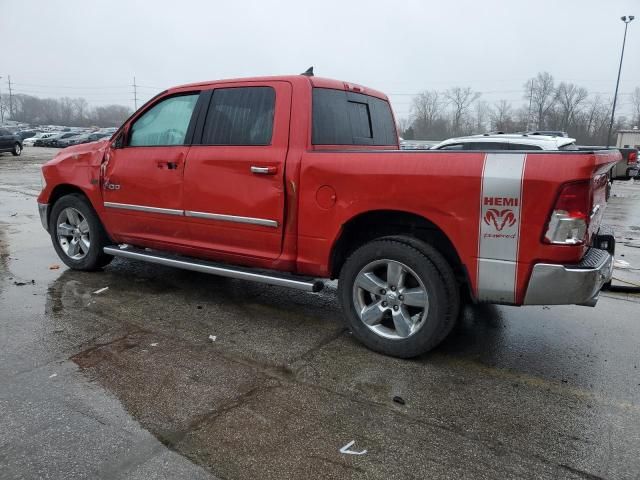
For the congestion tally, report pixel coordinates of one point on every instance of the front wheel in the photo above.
(77, 233)
(396, 298)
(17, 150)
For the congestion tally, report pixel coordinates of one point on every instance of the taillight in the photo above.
(569, 220)
(632, 157)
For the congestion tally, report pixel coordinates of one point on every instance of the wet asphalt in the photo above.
(126, 383)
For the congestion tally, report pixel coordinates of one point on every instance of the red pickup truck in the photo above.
(290, 180)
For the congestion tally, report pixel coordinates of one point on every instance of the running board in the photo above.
(187, 263)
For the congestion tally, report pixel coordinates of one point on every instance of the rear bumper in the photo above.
(570, 284)
(43, 210)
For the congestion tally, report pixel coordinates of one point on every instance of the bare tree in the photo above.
(403, 125)
(570, 99)
(4, 108)
(65, 111)
(426, 107)
(502, 117)
(460, 100)
(541, 93)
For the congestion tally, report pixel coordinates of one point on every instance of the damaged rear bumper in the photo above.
(579, 284)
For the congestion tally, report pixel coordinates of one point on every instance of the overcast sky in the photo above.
(94, 48)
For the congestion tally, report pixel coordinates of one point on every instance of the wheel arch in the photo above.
(60, 191)
(368, 226)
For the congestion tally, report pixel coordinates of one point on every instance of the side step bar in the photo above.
(187, 263)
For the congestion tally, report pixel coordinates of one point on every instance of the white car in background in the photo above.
(508, 141)
(38, 136)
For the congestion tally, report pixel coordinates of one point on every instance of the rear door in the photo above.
(234, 181)
(142, 178)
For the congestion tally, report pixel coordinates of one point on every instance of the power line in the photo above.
(135, 94)
(76, 87)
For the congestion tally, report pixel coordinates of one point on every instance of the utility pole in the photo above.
(10, 97)
(615, 95)
(530, 98)
(135, 94)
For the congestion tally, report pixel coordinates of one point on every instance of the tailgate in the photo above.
(605, 160)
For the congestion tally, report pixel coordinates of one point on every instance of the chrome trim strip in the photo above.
(232, 218)
(143, 208)
(203, 266)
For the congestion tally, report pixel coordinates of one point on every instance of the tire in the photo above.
(374, 287)
(448, 277)
(17, 149)
(78, 244)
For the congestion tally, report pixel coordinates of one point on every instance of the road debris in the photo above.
(346, 450)
(53, 375)
(100, 290)
(212, 338)
(21, 284)
(55, 266)
(154, 344)
(621, 264)
(398, 399)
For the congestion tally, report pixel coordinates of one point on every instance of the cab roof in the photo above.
(319, 82)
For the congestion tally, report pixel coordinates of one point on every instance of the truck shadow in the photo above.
(194, 357)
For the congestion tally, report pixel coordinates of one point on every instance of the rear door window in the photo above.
(347, 118)
(486, 146)
(240, 116)
(524, 146)
(452, 146)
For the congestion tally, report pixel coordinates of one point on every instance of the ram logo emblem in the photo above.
(500, 218)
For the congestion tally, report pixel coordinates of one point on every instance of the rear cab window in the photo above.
(347, 118)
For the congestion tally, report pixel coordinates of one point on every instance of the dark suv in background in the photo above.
(10, 142)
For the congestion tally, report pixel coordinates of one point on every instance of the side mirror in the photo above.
(119, 141)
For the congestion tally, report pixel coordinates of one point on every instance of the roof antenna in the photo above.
(308, 72)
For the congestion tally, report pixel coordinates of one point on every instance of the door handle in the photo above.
(264, 170)
(170, 165)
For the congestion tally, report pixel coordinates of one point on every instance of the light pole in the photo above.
(626, 21)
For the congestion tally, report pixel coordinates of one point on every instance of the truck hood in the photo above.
(85, 153)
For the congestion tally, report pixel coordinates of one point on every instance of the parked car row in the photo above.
(50, 135)
(66, 139)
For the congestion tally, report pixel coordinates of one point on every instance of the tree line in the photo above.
(547, 105)
(70, 112)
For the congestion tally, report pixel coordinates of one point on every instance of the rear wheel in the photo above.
(77, 233)
(17, 149)
(397, 297)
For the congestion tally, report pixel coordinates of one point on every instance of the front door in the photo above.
(6, 139)
(234, 194)
(142, 179)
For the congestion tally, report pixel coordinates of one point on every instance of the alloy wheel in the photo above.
(390, 299)
(73, 233)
